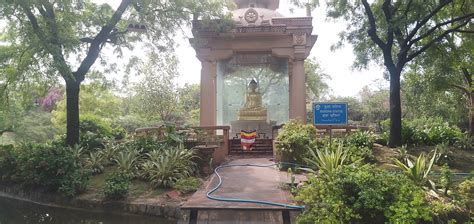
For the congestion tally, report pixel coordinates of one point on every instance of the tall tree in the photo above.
(316, 86)
(444, 82)
(157, 92)
(189, 103)
(69, 35)
(394, 32)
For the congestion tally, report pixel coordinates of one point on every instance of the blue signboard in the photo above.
(330, 113)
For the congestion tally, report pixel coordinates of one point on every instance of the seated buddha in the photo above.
(253, 109)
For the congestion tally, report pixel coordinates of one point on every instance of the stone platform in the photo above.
(255, 183)
(263, 128)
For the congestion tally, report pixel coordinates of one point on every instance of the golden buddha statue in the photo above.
(253, 109)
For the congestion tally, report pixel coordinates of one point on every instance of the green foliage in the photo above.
(173, 164)
(329, 161)
(95, 162)
(145, 144)
(127, 161)
(109, 152)
(117, 185)
(446, 178)
(368, 108)
(395, 33)
(156, 92)
(74, 183)
(439, 83)
(93, 124)
(130, 122)
(444, 155)
(361, 139)
(363, 154)
(427, 93)
(294, 141)
(95, 132)
(359, 144)
(429, 131)
(355, 108)
(49, 166)
(466, 191)
(41, 37)
(189, 96)
(363, 195)
(188, 185)
(34, 127)
(97, 108)
(8, 162)
(409, 205)
(316, 86)
(464, 141)
(419, 169)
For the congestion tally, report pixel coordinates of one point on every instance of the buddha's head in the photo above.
(253, 86)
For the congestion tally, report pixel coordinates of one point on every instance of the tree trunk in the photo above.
(72, 111)
(395, 109)
(471, 114)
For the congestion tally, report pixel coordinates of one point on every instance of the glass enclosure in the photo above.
(233, 76)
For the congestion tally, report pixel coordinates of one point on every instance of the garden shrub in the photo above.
(363, 195)
(95, 162)
(130, 123)
(54, 168)
(188, 185)
(328, 160)
(127, 161)
(294, 140)
(145, 144)
(117, 185)
(361, 139)
(466, 191)
(464, 141)
(94, 132)
(428, 131)
(359, 145)
(8, 162)
(171, 165)
(363, 154)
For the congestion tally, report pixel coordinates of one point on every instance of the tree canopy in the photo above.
(393, 33)
(65, 38)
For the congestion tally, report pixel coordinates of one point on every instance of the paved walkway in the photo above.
(255, 183)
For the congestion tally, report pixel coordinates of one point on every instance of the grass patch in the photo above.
(138, 188)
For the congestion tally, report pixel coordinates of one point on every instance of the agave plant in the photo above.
(127, 161)
(419, 169)
(95, 163)
(328, 160)
(154, 154)
(78, 153)
(146, 169)
(109, 152)
(403, 154)
(168, 167)
(444, 155)
(464, 141)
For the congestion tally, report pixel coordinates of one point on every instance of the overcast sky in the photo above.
(337, 64)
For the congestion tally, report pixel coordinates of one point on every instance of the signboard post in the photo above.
(330, 113)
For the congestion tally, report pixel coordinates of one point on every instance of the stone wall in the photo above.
(169, 210)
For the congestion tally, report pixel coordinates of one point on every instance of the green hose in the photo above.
(216, 171)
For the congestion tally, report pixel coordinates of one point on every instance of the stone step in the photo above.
(240, 216)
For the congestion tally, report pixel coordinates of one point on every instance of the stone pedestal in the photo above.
(264, 128)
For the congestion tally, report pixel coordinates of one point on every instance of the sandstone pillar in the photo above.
(298, 91)
(208, 94)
